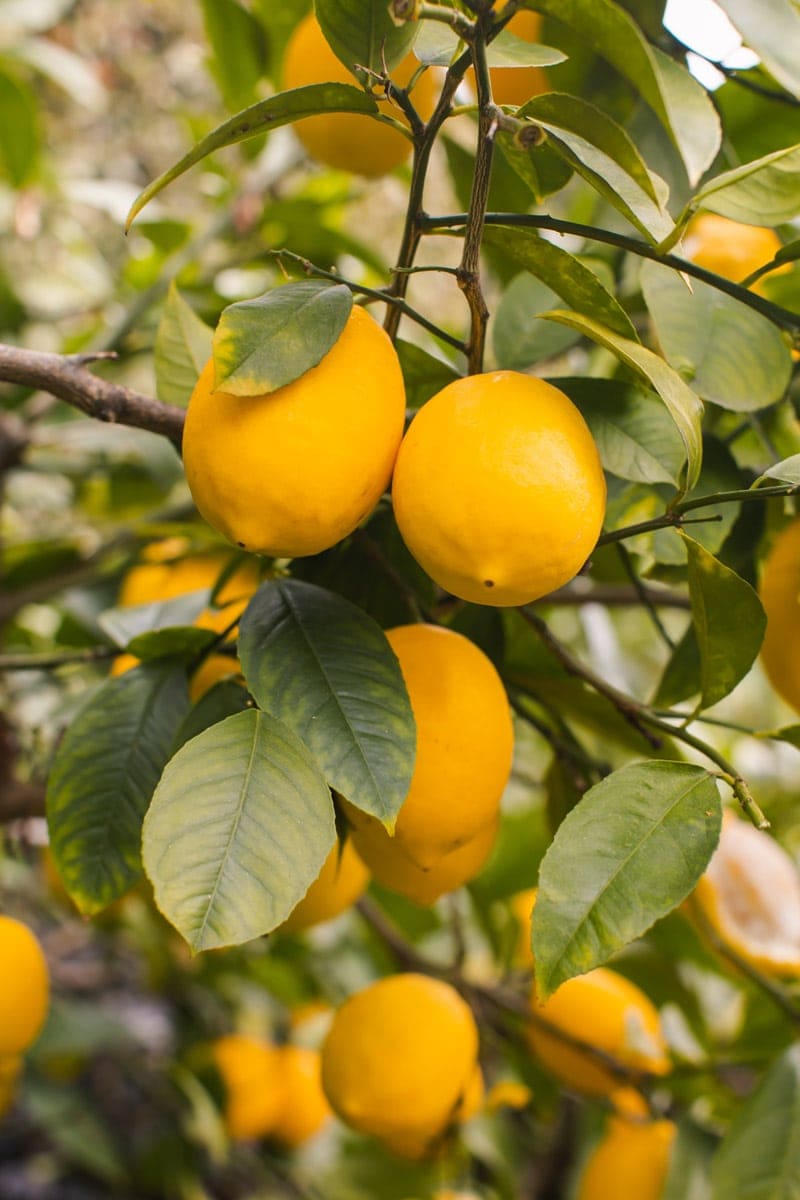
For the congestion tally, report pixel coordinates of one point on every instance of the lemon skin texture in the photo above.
(350, 141)
(339, 884)
(399, 1060)
(25, 987)
(465, 741)
(498, 488)
(294, 471)
(252, 1075)
(305, 1109)
(516, 85)
(392, 867)
(631, 1160)
(779, 590)
(608, 1012)
(731, 249)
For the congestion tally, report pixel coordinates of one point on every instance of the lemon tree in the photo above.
(400, 600)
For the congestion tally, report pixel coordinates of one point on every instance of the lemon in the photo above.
(252, 1074)
(305, 1109)
(611, 1014)
(292, 472)
(465, 741)
(25, 987)
(400, 1060)
(729, 248)
(750, 895)
(339, 884)
(521, 906)
(779, 590)
(631, 1160)
(393, 868)
(349, 141)
(498, 489)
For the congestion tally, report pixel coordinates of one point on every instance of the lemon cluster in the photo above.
(24, 998)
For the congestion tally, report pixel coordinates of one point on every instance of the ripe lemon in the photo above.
(339, 884)
(729, 248)
(349, 141)
(610, 1013)
(465, 741)
(294, 471)
(750, 895)
(252, 1074)
(305, 1109)
(521, 906)
(392, 867)
(399, 1060)
(498, 489)
(779, 590)
(516, 85)
(631, 1160)
(24, 987)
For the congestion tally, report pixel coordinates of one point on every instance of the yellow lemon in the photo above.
(498, 489)
(522, 911)
(305, 1109)
(729, 248)
(349, 141)
(631, 1160)
(252, 1074)
(516, 85)
(750, 895)
(339, 884)
(392, 867)
(24, 987)
(400, 1060)
(292, 472)
(779, 590)
(609, 1013)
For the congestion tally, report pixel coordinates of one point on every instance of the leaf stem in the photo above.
(469, 279)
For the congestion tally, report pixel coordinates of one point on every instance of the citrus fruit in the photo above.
(750, 895)
(293, 471)
(521, 906)
(515, 85)
(498, 489)
(305, 1109)
(392, 867)
(465, 741)
(252, 1074)
(729, 248)
(631, 1159)
(25, 988)
(349, 141)
(508, 1093)
(339, 884)
(779, 590)
(399, 1060)
(609, 1013)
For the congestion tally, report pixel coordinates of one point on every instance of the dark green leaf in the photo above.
(103, 776)
(325, 668)
(185, 642)
(262, 117)
(423, 373)
(263, 344)
(759, 1158)
(239, 827)
(682, 676)
(729, 622)
(772, 29)
(646, 831)
(224, 699)
(731, 354)
(518, 339)
(362, 34)
(789, 734)
(182, 349)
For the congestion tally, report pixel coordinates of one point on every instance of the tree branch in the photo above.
(66, 376)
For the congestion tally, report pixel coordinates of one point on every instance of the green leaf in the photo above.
(763, 192)
(182, 349)
(437, 45)
(185, 642)
(636, 436)
(600, 150)
(732, 355)
(678, 100)
(520, 341)
(238, 829)
(787, 471)
(324, 667)
(263, 344)
(19, 130)
(224, 699)
(772, 29)
(239, 54)
(127, 622)
(682, 676)
(789, 734)
(564, 274)
(689, 1175)
(362, 34)
(683, 405)
(262, 117)
(647, 830)
(759, 1158)
(423, 373)
(729, 622)
(103, 776)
